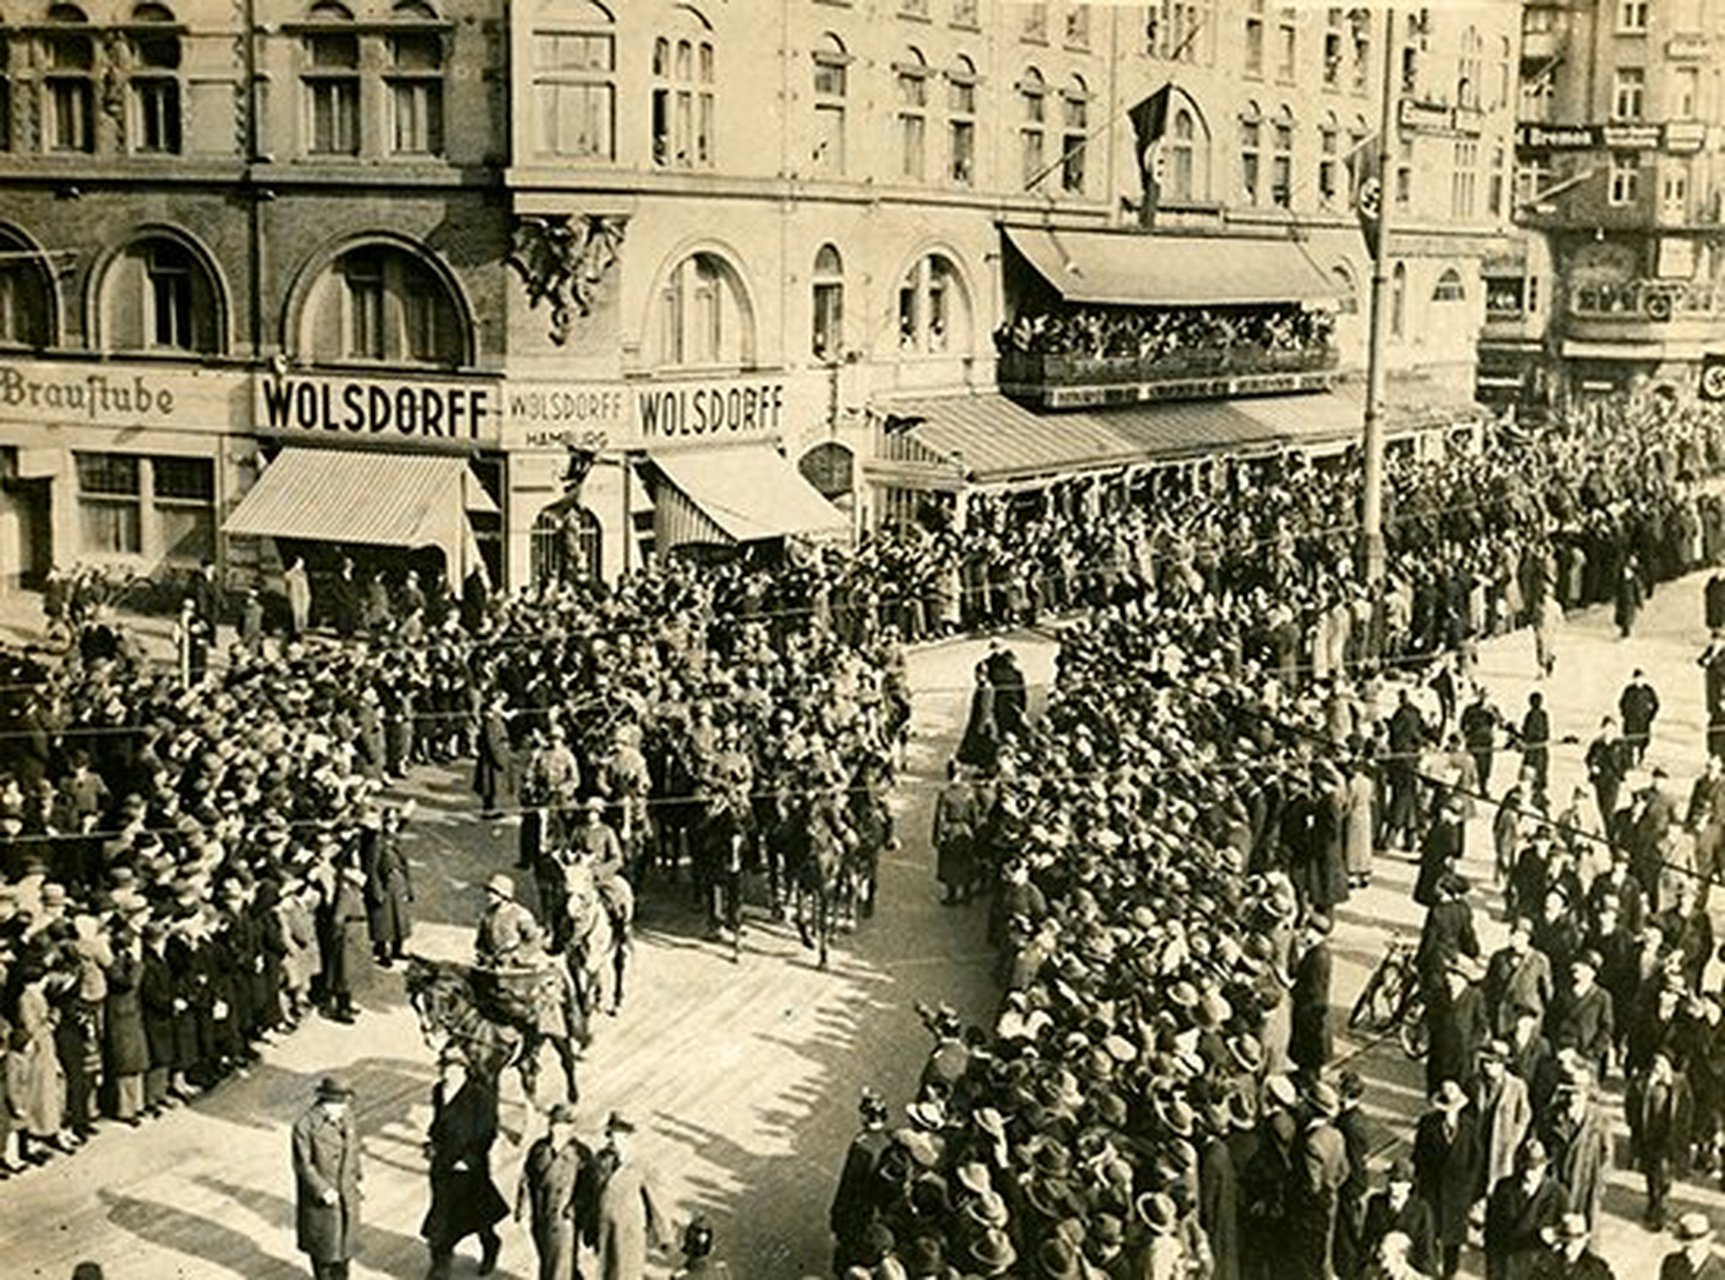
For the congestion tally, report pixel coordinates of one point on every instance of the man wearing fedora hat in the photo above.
(1397, 1210)
(618, 1207)
(1694, 1258)
(1569, 1256)
(856, 1199)
(1447, 1157)
(326, 1168)
(1321, 1167)
(464, 1200)
(546, 1195)
(1520, 1209)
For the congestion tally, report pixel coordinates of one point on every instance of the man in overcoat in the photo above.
(547, 1193)
(326, 1169)
(1447, 1156)
(464, 1200)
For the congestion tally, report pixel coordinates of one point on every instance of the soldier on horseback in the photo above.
(597, 843)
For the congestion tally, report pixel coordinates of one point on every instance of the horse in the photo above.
(447, 1000)
(822, 869)
(721, 838)
(872, 822)
(599, 941)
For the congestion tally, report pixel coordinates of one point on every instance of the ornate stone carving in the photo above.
(562, 259)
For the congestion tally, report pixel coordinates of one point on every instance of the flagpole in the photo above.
(1372, 490)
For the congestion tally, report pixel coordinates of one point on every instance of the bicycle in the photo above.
(1392, 1000)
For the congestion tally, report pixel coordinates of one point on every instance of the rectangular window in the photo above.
(1494, 183)
(1282, 167)
(417, 107)
(421, 304)
(1076, 113)
(829, 149)
(913, 8)
(1332, 59)
(964, 14)
(962, 144)
(334, 116)
(1078, 25)
(829, 320)
(1625, 186)
(1035, 29)
(1532, 177)
(577, 100)
(366, 299)
(1286, 49)
(110, 503)
(71, 109)
(156, 115)
(1632, 17)
(1327, 144)
(1685, 92)
(1628, 93)
(1255, 47)
(1251, 134)
(1674, 196)
(170, 303)
(185, 507)
(912, 136)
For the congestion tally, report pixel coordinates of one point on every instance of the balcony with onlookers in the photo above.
(1093, 355)
(1646, 310)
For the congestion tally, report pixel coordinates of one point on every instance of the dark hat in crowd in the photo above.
(330, 1089)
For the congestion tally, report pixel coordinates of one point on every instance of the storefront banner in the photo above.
(425, 411)
(81, 393)
(662, 414)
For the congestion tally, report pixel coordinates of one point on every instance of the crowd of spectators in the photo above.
(1151, 334)
(1167, 847)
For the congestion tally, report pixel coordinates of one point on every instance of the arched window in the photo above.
(155, 82)
(1075, 134)
(1033, 122)
(704, 315)
(1449, 287)
(832, 74)
(1399, 300)
(414, 85)
(567, 544)
(71, 94)
(827, 333)
(26, 295)
(574, 85)
(682, 103)
(831, 469)
(1182, 175)
(1251, 152)
(383, 302)
(933, 308)
(158, 295)
(1349, 293)
(910, 78)
(961, 122)
(331, 82)
(1282, 163)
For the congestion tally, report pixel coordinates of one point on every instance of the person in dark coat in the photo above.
(1309, 1040)
(956, 817)
(1535, 738)
(1459, 1028)
(546, 1197)
(1010, 699)
(1447, 1157)
(1694, 1258)
(464, 1200)
(389, 891)
(125, 1044)
(1397, 1208)
(856, 1199)
(1570, 1258)
(1519, 1212)
(981, 728)
(1629, 596)
(343, 942)
(1441, 850)
(343, 609)
(1219, 1195)
(326, 1169)
(1660, 1109)
(156, 997)
(492, 769)
(1348, 1250)
(1638, 704)
(1582, 1017)
(1448, 933)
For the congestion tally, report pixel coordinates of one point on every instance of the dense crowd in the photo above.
(1165, 851)
(1151, 334)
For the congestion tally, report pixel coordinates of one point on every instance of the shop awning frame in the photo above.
(746, 493)
(1133, 269)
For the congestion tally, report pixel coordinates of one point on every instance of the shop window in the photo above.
(827, 337)
(1033, 123)
(415, 91)
(832, 77)
(682, 94)
(933, 308)
(110, 504)
(705, 317)
(157, 295)
(1075, 136)
(1449, 287)
(26, 297)
(961, 122)
(155, 82)
(70, 83)
(383, 302)
(574, 85)
(184, 502)
(331, 84)
(910, 78)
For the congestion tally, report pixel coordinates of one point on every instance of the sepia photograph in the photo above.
(862, 640)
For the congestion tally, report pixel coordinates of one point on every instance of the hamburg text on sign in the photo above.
(613, 416)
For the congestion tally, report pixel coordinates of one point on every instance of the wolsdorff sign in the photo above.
(429, 411)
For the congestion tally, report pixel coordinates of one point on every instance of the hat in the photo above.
(1325, 1101)
(593, 804)
(1280, 1090)
(503, 886)
(562, 1113)
(1107, 1231)
(1693, 1226)
(1497, 1050)
(927, 1114)
(329, 1089)
(1401, 1170)
(1156, 1211)
(871, 1103)
(989, 1121)
(1247, 1052)
(617, 1122)
(1058, 1260)
(987, 1209)
(919, 1146)
(992, 1251)
(1449, 1097)
(1572, 1226)
(973, 1177)
(1531, 1154)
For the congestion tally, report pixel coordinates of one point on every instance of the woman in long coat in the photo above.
(1357, 828)
(388, 893)
(981, 736)
(42, 1106)
(125, 1049)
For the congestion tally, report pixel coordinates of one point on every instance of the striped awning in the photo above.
(374, 499)
(742, 494)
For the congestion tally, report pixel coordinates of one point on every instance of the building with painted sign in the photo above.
(1620, 179)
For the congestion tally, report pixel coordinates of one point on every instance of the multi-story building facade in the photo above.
(1619, 177)
(561, 252)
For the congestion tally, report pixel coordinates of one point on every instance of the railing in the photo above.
(1026, 368)
(1655, 300)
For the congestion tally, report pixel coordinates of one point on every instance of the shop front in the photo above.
(604, 477)
(114, 465)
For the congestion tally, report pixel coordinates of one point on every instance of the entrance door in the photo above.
(567, 543)
(33, 501)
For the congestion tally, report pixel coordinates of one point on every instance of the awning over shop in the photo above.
(742, 494)
(371, 499)
(1131, 269)
(996, 440)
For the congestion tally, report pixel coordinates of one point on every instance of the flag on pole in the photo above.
(1366, 187)
(1149, 122)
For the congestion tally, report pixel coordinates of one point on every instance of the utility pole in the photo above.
(1372, 491)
